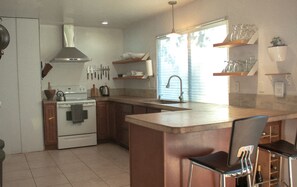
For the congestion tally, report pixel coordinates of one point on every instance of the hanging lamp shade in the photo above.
(173, 34)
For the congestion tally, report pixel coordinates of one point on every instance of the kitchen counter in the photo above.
(147, 102)
(161, 142)
(202, 116)
(191, 116)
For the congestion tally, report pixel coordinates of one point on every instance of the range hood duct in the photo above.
(70, 53)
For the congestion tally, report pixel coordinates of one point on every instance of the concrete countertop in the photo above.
(147, 102)
(201, 117)
(192, 116)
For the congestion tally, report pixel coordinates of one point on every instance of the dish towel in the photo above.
(77, 113)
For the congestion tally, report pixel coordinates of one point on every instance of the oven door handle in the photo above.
(89, 104)
(64, 106)
(69, 105)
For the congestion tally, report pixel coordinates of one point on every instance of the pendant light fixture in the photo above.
(173, 34)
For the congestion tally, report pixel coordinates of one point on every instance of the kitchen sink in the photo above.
(164, 101)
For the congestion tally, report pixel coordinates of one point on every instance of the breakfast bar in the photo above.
(160, 143)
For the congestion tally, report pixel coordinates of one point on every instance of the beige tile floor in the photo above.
(104, 165)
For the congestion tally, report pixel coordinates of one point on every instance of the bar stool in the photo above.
(283, 149)
(245, 136)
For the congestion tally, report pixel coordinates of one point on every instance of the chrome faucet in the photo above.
(181, 86)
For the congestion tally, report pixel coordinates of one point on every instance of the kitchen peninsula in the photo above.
(161, 142)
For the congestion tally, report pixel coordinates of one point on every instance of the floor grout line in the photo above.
(109, 148)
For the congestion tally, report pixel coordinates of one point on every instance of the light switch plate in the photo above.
(279, 89)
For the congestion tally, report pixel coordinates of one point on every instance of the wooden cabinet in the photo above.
(270, 163)
(103, 129)
(122, 127)
(50, 125)
(139, 109)
(112, 120)
(152, 110)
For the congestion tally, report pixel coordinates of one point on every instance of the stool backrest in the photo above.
(245, 132)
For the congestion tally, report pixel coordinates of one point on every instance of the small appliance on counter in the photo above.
(60, 96)
(104, 90)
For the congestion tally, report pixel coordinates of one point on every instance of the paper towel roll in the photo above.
(149, 68)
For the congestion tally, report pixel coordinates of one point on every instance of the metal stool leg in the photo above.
(255, 166)
(290, 172)
(190, 175)
(222, 180)
(249, 181)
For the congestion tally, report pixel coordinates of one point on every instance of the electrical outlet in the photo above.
(237, 87)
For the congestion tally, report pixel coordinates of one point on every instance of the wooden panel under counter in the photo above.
(160, 143)
(50, 124)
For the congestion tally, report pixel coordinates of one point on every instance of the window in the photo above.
(193, 58)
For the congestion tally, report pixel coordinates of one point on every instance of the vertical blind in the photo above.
(193, 58)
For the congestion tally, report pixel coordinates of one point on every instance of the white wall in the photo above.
(273, 18)
(21, 114)
(101, 45)
(10, 128)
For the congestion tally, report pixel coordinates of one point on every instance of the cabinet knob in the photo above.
(51, 118)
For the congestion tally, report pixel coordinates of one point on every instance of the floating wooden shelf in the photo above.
(286, 76)
(134, 60)
(252, 72)
(277, 74)
(231, 74)
(237, 43)
(234, 43)
(130, 77)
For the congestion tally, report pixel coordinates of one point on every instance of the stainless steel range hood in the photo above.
(70, 53)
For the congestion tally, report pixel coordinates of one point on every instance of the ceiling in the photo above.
(119, 13)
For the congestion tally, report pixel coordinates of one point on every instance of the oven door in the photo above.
(66, 127)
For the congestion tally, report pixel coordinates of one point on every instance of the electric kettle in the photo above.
(104, 90)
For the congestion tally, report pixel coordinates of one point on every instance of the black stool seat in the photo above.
(281, 147)
(217, 162)
(245, 135)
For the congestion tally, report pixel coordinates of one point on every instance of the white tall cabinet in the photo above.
(20, 93)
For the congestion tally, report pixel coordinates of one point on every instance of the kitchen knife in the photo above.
(108, 72)
(91, 68)
(95, 70)
(101, 69)
(105, 69)
(88, 72)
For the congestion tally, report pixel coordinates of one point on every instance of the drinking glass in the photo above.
(234, 33)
